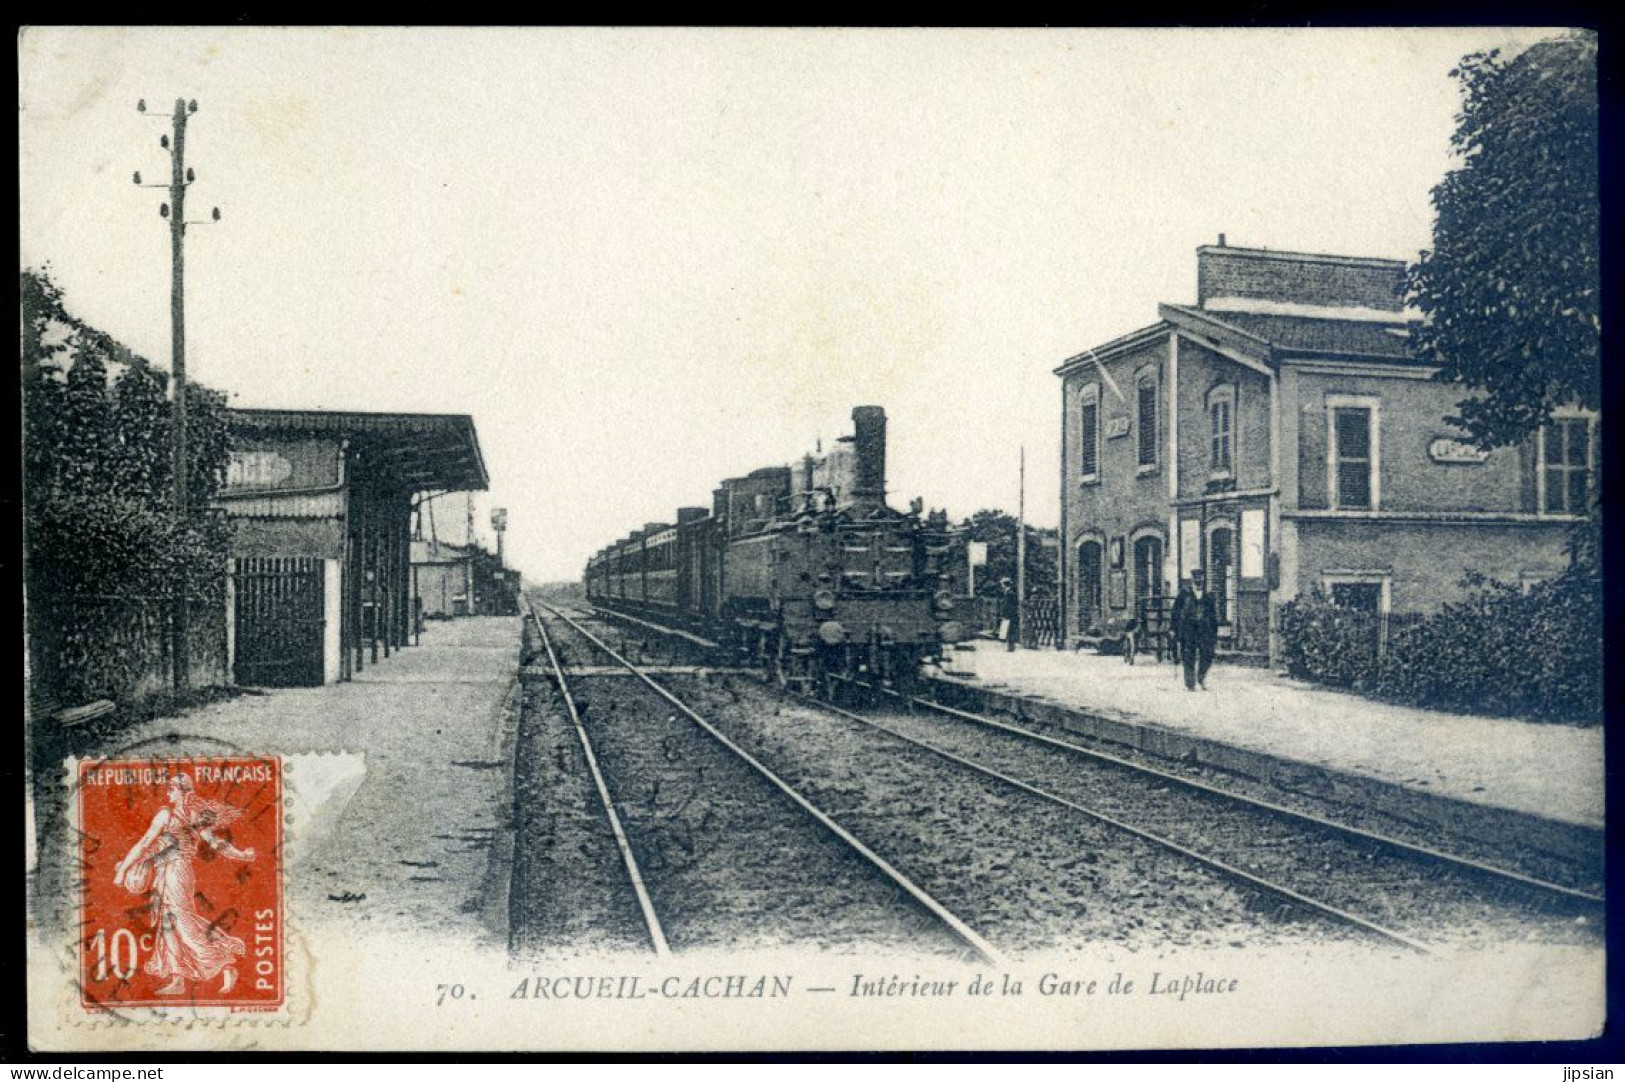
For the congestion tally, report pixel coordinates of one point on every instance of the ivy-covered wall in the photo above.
(105, 555)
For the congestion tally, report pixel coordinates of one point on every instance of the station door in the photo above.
(280, 620)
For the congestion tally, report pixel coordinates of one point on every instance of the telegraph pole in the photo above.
(180, 178)
(177, 300)
(1021, 550)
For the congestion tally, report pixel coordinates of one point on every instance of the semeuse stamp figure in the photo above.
(185, 946)
(211, 909)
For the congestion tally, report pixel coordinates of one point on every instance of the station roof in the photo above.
(1292, 334)
(418, 452)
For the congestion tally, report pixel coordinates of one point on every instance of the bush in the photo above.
(1497, 651)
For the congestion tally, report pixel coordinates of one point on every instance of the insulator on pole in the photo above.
(163, 210)
(163, 141)
(138, 176)
(141, 106)
(217, 214)
(190, 176)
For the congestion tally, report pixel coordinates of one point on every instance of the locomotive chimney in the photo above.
(869, 444)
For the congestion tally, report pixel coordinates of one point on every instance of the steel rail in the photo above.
(963, 930)
(1466, 864)
(1412, 848)
(657, 936)
(1167, 843)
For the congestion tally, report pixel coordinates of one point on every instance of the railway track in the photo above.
(1406, 893)
(1508, 878)
(717, 849)
(1028, 874)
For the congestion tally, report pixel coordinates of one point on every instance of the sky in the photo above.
(646, 260)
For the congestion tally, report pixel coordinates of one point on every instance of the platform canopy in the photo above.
(415, 452)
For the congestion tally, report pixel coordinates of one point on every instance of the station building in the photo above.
(320, 505)
(1281, 434)
(443, 578)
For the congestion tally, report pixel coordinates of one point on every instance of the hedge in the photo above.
(1497, 651)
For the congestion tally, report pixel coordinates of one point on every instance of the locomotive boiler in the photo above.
(803, 569)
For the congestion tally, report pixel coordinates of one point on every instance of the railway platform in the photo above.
(402, 777)
(1513, 783)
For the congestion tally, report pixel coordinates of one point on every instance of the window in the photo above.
(1146, 418)
(1089, 433)
(1359, 596)
(1565, 466)
(1147, 570)
(1353, 453)
(1221, 408)
(1089, 577)
(1359, 590)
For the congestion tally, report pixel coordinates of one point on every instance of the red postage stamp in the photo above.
(181, 896)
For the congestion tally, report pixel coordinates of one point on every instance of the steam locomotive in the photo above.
(803, 569)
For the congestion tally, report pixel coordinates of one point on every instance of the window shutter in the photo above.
(1148, 422)
(1089, 438)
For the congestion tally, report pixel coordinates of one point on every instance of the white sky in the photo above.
(647, 260)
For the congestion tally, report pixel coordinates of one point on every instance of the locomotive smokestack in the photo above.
(869, 444)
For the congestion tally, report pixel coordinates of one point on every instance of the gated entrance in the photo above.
(280, 621)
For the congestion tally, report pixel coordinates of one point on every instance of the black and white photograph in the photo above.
(793, 540)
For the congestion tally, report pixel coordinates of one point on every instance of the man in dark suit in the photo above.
(1009, 613)
(1196, 629)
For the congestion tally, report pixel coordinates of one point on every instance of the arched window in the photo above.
(1090, 565)
(1147, 571)
(1221, 415)
(1089, 433)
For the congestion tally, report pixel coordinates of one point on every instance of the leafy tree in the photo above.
(1510, 291)
(998, 530)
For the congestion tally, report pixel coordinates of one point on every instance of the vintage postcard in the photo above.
(750, 539)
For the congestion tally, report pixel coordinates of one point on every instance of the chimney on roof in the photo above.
(1232, 277)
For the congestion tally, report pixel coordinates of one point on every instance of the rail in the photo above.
(1463, 863)
(964, 931)
(657, 936)
(1220, 866)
